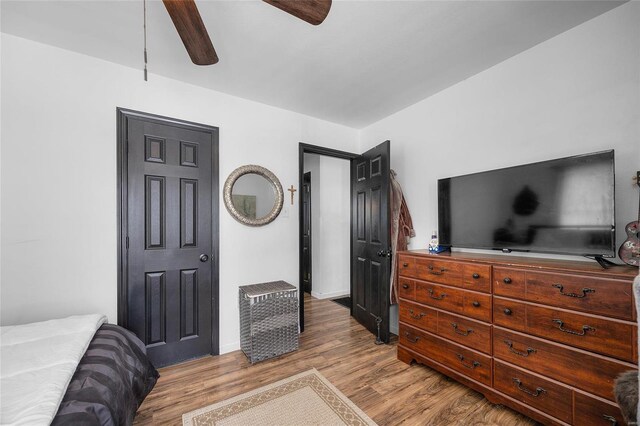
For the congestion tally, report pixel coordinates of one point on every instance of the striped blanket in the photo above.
(111, 381)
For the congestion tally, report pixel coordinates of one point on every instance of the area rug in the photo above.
(304, 399)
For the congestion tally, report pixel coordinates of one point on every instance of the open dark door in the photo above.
(370, 239)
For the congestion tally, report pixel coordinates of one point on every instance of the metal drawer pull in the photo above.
(612, 419)
(462, 333)
(405, 286)
(442, 270)
(442, 296)
(585, 291)
(507, 280)
(408, 336)
(405, 264)
(507, 311)
(585, 328)
(414, 316)
(476, 304)
(535, 394)
(475, 276)
(473, 365)
(510, 344)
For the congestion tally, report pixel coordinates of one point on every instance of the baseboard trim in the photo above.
(332, 295)
(230, 347)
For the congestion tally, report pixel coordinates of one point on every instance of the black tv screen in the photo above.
(563, 206)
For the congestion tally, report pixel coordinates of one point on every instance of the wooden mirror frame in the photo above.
(270, 177)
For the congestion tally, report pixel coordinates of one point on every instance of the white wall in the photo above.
(59, 180)
(330, 225)
(576, 93)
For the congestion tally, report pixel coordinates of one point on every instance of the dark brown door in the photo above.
(306, 232)
(172, 237)
(370, 240)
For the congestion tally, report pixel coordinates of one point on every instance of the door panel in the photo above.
(154, 196)
(188, 303)
(359, 289)
(188, 212)
(376, 275)
(155, 310)
(371, 238)
(376, 217)
(361, 201)
(171, 230)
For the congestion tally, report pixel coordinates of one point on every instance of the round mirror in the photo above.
(253, 195)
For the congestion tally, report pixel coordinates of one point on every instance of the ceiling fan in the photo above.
(187, 20)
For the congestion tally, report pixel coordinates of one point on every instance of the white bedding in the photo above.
(36, 364)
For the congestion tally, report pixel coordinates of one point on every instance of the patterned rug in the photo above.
(304, 399)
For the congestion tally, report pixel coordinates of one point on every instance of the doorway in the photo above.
(326, 226)
(369, 261)
(168, 221)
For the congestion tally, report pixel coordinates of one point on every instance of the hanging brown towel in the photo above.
(401, 230)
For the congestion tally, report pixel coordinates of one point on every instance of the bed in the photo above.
(76, 370)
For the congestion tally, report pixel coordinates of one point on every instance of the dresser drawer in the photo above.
(588, 294)
(592, 373)
(476, 277)
(597, 334)
(596, 412)
(467, 332)
(415, 339)
(439, 296)
(439, 271)
(509, 282)
(418, 315)
(465, 361)
(470, 303)
(406, 288)
(477, 305)
(509, 314)
(545, 395)
(406, 266)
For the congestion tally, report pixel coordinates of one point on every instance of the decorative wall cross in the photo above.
(292, 190)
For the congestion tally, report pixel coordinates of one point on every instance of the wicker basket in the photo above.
(268, 320)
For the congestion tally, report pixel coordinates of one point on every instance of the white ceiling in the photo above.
(368, 59)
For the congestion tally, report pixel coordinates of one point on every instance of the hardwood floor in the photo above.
(389, 391)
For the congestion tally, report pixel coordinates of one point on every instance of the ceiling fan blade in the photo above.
(187, 20)
(311, 11)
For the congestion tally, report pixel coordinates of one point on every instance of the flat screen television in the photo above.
(562, 206)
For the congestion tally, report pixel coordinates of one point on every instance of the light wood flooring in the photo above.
(389, 391)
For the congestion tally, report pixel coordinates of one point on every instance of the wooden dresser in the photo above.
(544, 337)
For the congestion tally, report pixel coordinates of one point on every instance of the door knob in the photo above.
(204, 258)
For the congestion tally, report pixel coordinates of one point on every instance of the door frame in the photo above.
(303, 149)
(310, 250)
(122, 117)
